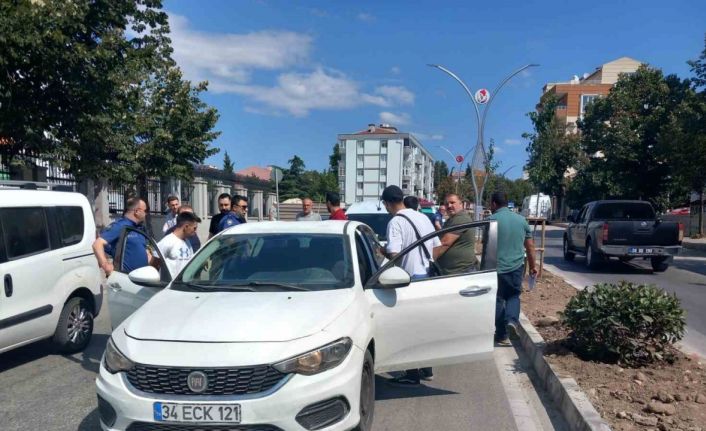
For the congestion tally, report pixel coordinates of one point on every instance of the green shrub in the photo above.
(626, 323)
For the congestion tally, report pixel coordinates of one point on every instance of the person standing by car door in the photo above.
(457, 252)
(237, 215)
(192, 239)
(224, 208)
(136, 254)
(175, 247)
(514, 240)
(405, 227)
(173, 204)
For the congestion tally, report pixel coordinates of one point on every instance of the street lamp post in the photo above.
(479, 155)
(459, 160)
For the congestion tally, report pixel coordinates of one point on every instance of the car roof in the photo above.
(22, 198)
(331, 227)
(366, 207)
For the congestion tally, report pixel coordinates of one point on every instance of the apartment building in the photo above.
(577, 93)
(380, 156)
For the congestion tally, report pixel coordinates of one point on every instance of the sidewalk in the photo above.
(694, 244)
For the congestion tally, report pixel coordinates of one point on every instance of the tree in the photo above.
(227, 164)
(551, 151)
(334, 159)
(294, 182)
(624, 155)
(441, 171)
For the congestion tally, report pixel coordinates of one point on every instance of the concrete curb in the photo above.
(700, 246)
(573, 404)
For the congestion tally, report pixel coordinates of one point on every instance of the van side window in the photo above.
(70, 224)
(24, 231)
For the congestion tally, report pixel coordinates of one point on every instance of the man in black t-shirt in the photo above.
(224, 207)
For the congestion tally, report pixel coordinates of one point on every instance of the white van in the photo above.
(51, 282)
(372, 213)
(537, 206)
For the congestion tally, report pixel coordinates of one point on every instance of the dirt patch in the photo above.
(657, 397)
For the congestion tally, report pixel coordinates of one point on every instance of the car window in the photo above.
(134, 242)
(262, 261)
(470, 253)
(582, 216)
(363, 258)
(24, 231)
(624, 211)
(373, 244)
(70, 223)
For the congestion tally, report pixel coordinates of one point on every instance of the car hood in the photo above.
(214, 317)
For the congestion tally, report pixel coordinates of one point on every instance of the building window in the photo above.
(341, 170)
(360, 145)
(383, 158)
(382, 186)
(359, 186)
(586, 99)
(360, 160)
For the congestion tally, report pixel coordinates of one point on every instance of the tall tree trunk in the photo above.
(701, 212)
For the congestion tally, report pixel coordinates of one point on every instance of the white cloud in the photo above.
(512, 141)
(499, 150)
(395, 70)
(396, 94)
(230, 57)
(366, 17)
(395, 119)
(318, 12)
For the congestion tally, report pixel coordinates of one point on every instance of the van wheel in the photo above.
(568, 254)
(593, 258)
(659, 264)
(367, 394)
(75, 327)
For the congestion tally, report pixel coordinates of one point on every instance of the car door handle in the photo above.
(8, 285)
(475, 291)
(115, 287)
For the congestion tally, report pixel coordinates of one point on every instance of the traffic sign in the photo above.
(459, 159)
(482, 96)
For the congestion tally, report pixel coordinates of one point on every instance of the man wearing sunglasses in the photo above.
(237, 214)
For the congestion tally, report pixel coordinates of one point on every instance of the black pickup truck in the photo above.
(622, 229)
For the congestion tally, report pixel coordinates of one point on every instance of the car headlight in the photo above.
(319, 360)
(114, 360)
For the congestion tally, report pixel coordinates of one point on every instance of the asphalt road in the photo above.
(686, 277)
(43, 391)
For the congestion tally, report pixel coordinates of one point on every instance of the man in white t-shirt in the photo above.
(401, 233)
(407, 226)
(175, 248)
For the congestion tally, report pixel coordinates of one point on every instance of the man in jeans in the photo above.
(514, 240)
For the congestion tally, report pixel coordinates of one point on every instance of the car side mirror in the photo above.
(394, 277)
(146, 276)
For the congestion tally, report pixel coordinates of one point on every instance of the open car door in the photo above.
(125, 295)
(438, 320)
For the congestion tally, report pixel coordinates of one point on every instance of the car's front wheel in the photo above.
(75, 327)
(367, 394)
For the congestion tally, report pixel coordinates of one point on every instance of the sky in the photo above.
(288, 77)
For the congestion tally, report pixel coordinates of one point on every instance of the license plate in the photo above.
(635, 250)
(199, 413)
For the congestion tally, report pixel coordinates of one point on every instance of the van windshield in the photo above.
(378, 222)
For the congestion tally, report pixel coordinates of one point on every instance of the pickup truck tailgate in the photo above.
(641, 232)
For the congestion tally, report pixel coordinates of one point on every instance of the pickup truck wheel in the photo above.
(568, 254)
(659, 264)
(593, 258)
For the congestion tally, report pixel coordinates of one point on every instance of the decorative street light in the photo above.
(480, 158)
(458, 159)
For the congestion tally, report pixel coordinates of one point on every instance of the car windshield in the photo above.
(378, 222)
(624, 211)
(270, 262)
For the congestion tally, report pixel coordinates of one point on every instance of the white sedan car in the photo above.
(282, 326)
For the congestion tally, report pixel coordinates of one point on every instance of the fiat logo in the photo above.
(197, 381)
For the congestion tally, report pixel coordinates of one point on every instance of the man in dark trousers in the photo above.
(514, 241)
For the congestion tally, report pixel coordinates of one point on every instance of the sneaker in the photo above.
(512, 329)
(427, 375)
(503, 342)
(404, 380)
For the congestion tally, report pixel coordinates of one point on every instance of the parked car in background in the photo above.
(51, 281)
(537, 206)
(282, 326)
(623, 229)
(372, 213)
(680, 211)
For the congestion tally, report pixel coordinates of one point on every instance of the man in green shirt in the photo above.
(457, 252)
(514, 241)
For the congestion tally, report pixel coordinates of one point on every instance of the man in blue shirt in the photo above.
(236, 216)
(514, 242)
(135, 253)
